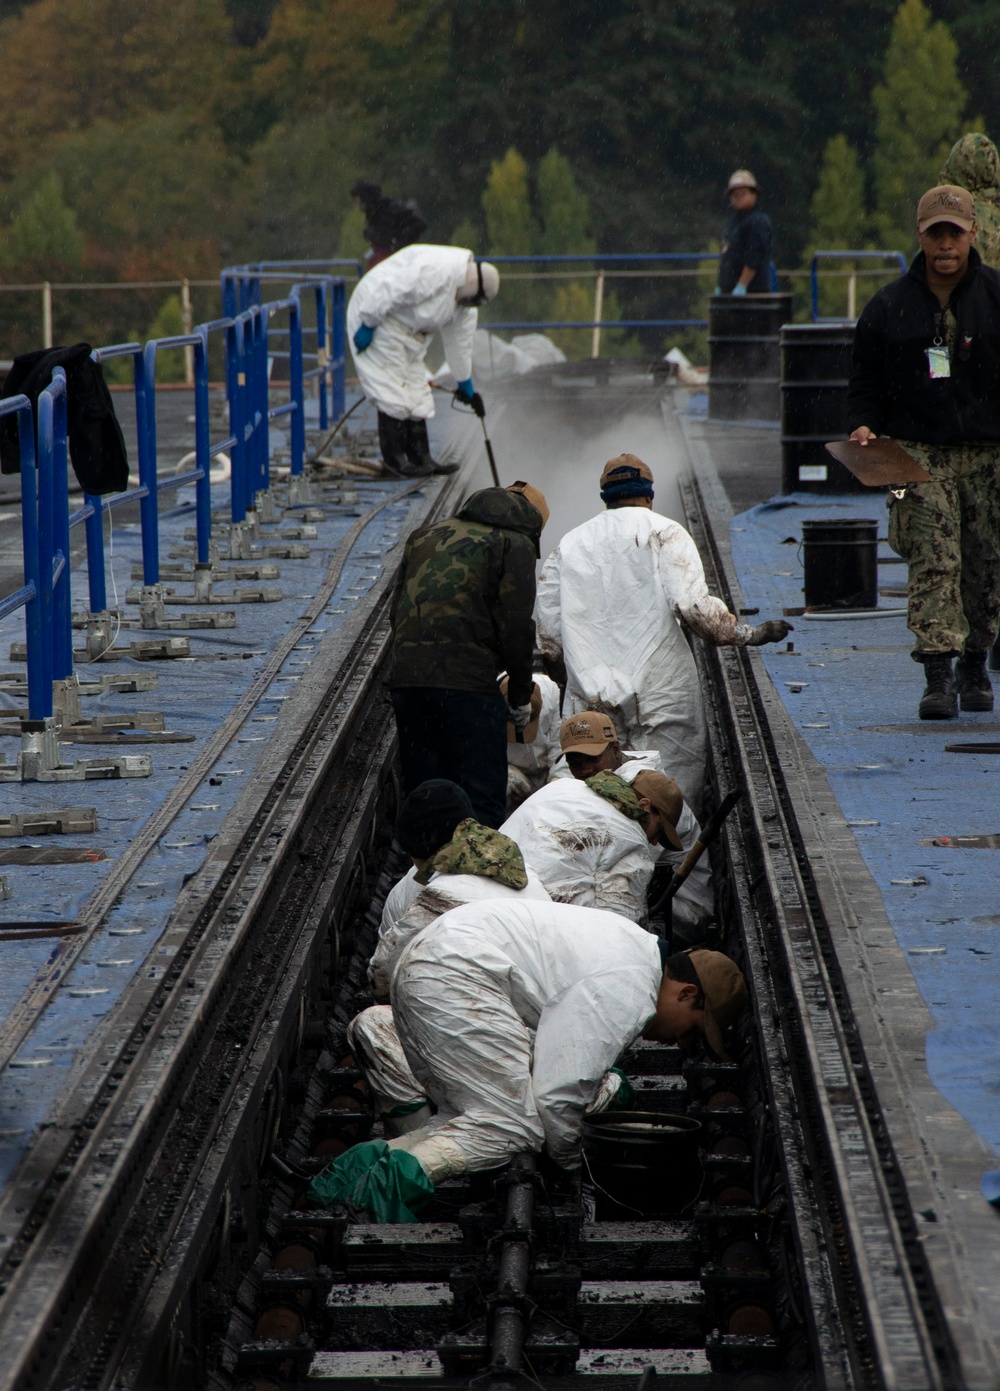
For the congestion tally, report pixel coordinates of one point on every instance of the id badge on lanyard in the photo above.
(938, 361)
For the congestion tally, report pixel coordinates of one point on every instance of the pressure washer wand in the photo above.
(709, 833)
(489, 453)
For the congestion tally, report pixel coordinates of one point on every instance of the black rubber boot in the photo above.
(394, 441)
(419, 449)
(974, 689)
(939, 700)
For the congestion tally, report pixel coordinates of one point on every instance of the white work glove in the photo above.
(519, 715)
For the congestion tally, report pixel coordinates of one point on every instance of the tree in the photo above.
(44, 240)
(510, 224)
(838, 215)
(564, 213)
(918, 117)
(169, 323)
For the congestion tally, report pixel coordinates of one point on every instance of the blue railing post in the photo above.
(62, 608)
(261, 422)
(202, 448)
(96, 577)
(339, 348)
(35, 634)
(322, 357)
(235, 390)
(296, 388)
(149, 510)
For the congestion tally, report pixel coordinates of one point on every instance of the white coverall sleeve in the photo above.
(684, 579)
(548, 620)
(457, 337)
(620, 886)
(577, 1040)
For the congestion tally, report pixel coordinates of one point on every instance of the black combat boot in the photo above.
(394, 441)
(974, 689)
(939, 700)
(418, 449)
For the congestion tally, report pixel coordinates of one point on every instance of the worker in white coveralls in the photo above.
(611, 602)
(510, 1015)
(532, 752)
(392, 315)
(592, 843)
(455, 860)
(591, 745)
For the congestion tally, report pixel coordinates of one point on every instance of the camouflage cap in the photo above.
(946, 203)
(588, 732)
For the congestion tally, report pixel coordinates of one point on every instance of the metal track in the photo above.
(860, 1238)
(101, 1198)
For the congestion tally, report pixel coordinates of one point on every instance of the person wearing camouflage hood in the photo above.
(974, 164)
(462, 616)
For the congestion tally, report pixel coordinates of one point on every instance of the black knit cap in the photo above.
(429, 815)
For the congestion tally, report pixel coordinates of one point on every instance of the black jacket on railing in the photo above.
(891, 389)
(96, 444)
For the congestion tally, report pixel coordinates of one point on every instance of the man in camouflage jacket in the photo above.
(462, 617)
(974, 163)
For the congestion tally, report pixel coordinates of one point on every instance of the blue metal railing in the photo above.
(47, 522)
(818, 256)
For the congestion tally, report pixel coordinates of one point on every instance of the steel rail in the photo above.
(86, 1170)
(885, 1303)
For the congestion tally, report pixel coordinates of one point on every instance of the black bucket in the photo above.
(840, 560)
(642, 1163)
(744, 376)
(815, 368)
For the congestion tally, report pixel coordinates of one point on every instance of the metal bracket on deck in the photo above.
(5, 889)
(204, 594)
(63, 821)
(300, 490)
(152, 614)
(40, 760)
(184, 569)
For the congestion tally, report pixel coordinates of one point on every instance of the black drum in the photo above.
(642, 1163)
(815, 367)
(840, 560)
(744, 376)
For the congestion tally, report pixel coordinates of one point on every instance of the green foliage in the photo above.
(918, 117)
(169, 323)
(44, 241)
(510, 223)
(564, 211)
(351, 241)
(838, 218)
(466, 234)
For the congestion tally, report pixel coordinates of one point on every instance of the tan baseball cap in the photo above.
(742, 178)
(530, 730)
(588, 732)
(946, 203)
(625, 461)
(665, 797)
(533, 495)
(725, 992)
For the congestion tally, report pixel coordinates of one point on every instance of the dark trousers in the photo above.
(459, 735)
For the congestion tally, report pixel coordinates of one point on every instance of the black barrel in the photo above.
(642, 1163)
(745, 356)
(815, 367)
(840, 560)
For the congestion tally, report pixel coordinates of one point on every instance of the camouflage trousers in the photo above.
(948, 530)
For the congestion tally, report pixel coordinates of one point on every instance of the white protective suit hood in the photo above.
(469, 991)
(407, 298)
(608, 603)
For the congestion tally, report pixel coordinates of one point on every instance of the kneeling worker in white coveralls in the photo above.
(455, 860)
(591, 745)
(392, 315)
(611, 600)
(469, 991)
(592, 843)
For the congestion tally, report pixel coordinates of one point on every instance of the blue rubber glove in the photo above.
(363, 337)
(466, 391)
(739, 289)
